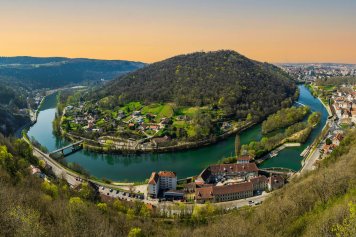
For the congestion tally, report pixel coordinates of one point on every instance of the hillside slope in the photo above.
(321, 203)
(57, 72)
(226, 78)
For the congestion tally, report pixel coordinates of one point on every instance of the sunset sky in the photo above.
(151, 30)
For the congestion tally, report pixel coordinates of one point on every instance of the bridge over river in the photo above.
(75, 147)
(278, 170)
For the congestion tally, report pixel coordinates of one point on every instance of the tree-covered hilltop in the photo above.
(13, 102)
(225, 79)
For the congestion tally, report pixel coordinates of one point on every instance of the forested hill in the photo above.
(226, 78)
(56, 72)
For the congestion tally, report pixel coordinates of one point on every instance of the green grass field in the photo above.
(161, 110)
(130, 107)
(189, 111)
(152, 109)
(179, 124)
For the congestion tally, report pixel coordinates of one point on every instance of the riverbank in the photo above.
(278, 149)
(133, 147)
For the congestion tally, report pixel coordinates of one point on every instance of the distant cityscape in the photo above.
(309, 72)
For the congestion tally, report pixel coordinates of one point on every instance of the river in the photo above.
(184, 163)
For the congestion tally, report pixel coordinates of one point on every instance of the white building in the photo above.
(164, 180)
(167, 180)
(153, 185)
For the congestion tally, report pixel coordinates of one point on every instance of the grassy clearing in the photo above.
(130, 107)
(161, 110)
(152, 109)
(189, 111)
(179, 124)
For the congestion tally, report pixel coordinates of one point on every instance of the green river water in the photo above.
(184, 163)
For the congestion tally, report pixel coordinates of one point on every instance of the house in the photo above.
(244, 159)
(327, 149)
(353, 115)
(214, 173)
(337, 139)
(259, 183)
(189, 191)
(226, 126)
(224, 193)
(164, 180)
(232, 192)
(154, 127)
(204, 194)
(275, 182)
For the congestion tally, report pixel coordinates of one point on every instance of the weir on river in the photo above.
(184, 163)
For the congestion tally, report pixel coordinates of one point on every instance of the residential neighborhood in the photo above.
(135, 127)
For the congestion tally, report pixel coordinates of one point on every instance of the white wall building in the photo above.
(164, 180)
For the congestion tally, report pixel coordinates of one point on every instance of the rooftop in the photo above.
(154, 178)
(245, 158)
(167, 174)
(234, 168)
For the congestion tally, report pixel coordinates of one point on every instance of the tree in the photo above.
(237, 145)
(42, 163)
(76, 201)
(130, 214)
(249, 117)
(4, 155)
(102, 206)
(145, 212)
(348, 227)
(328, 141)
(135, 232)
(50, 189)
(314, 118)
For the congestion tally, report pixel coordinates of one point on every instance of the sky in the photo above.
(273, 31)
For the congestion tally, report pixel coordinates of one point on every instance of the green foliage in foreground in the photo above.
(325, 207)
